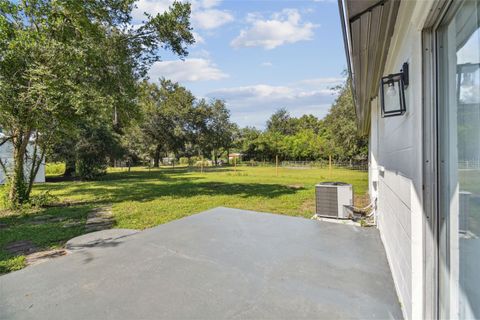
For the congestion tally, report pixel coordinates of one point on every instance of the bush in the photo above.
(194, 160)
(54, 168)
(92, 149)
(206, 163)
(184, 161)
(5, 195)
(90, 168)
(12, 264)
(39, 200)
(4, 190)
(42, 199)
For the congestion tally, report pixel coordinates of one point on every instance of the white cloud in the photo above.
(267, 64)
(253, 105)
(207, 3)
(204, 15)
(253, 92)
(282, 28)
(189, 70)
(202, 53)
(322, 82)
(211, 18)
(198, 38)
(152, 7)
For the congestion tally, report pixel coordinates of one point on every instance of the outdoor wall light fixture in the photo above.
(393, 93)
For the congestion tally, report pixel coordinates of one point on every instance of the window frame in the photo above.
(441, 14)
(431, 305)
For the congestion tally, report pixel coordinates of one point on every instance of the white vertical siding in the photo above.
(398, 154)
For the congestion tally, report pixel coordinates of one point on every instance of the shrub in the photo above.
(90, 168)
(54, 168)
(12, 264)
(93, 148)
(206, 163)
(184, 161)
(42, 199)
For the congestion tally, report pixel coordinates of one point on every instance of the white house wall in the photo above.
(396, 162)
(6, 154)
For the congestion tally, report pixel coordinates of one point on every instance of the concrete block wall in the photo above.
(396, 157)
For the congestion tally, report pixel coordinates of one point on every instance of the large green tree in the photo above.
(281, 122)
(63, 60)
(220, 130)
(167, 112)
(307, 137)
(340, 129)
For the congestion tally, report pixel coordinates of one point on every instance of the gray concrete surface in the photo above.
(219, 264)
(103, 238)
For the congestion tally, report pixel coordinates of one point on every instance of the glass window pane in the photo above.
(459, 162)
(392, 96)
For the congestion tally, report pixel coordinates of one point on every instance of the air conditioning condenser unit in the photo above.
(333, 200)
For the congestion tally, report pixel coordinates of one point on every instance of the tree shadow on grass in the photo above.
(145, 191)
(115, 180)
(166, 174)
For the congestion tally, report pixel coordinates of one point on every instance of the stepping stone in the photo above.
(42, 218)
(47, 218)
(104, 238)
(99, 219)
(69, 224)
(42, 256)
(20, 247)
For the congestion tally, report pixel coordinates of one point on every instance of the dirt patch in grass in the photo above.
(42, 256)
(308, 206)
(295, 186)
(361, 200)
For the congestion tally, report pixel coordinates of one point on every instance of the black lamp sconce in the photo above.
(392, 89)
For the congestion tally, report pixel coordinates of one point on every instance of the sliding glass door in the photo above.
(458, 87)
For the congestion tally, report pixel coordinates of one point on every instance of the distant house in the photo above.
(168, 161)
(235, 155)
(6, 155)
(415, 69)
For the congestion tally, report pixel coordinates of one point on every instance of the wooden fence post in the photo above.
(276, 165)
(330, 165)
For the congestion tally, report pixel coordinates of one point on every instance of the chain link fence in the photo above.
(361, 165)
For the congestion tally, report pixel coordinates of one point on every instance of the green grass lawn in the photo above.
(145, 198)
(469, 182)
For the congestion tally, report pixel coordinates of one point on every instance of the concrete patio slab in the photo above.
(220, 264)
(103, 238)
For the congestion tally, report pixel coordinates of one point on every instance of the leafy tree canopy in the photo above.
(64, 61)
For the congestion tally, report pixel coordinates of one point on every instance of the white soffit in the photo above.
(369, 25)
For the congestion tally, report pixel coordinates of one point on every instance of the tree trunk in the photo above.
(156, 157)
(70, 167)
(228, 156)
(215, 157)
(18, 188)
(35, 165)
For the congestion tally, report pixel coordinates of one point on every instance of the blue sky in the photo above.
(259, 55)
